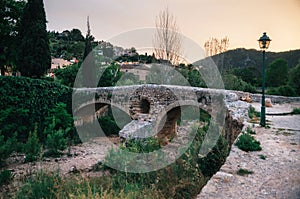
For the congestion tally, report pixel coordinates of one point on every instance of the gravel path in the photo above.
(278, 176)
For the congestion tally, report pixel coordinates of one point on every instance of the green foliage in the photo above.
(108, 125)
(285, 90)
(67, 44)
(250, 131)
(10, 13)
(243, 172)
(244, 58)
(213, 161)
(296, 111)
(231, 82)
(56, 138)
(67, 75)
(146, 145)
(32, 148)
(7, 146)
(252, 113)
(25, 102)
(251, 75)
(110, 76)
(41, 185)
(294, 79)
(247, 143)
(33, 55)
(263, 157)
(277, 73)
(5, 177)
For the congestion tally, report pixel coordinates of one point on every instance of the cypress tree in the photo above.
(33, 56)
(88, 66)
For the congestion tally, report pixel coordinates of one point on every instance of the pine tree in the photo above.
(33, 56)
(88, 66)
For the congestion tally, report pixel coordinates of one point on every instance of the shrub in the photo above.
(285, 90)
(7, 146)
(213, 161)
(32, 148)
(108, 125)
(55, 139)
(5, 177)
(296, 111)
(250, 131)
(41, 185)
(253, 113)
(243, 172)
(25, 102)
(247, 143)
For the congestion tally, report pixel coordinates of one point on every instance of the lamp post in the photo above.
(264, 42)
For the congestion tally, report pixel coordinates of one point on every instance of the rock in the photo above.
(231, 97)
(73, 169)
(268, 102)
(246, 98)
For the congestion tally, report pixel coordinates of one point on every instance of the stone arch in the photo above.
(89, 112)
(167, 121)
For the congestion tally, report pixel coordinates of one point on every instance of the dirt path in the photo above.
(278, 176)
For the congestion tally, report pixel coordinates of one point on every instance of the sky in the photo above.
(242, 21)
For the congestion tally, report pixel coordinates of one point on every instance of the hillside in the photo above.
(244, 58)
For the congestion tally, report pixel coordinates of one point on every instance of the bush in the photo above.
(55, 139)
(7, 146)
(285, 90)
(32, 148)
(247, 143)
(232, 82)
(25, 102)
(243, 172)
(41, 185)
(296, 111)
(5, 177)
(252, 113)
(108, 125)
(213, 161)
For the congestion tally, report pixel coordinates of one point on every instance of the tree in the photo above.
(10, 14)
(33, 57)
(294, 78)
(88, 66)
(75, 35)
(167, 41)
(277, 73)
(214, 46)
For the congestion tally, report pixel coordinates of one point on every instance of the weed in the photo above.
(243, 172)
(296, 111)
(247, 143)
(250, 131)
(252, 113)
(263, 157)
(5, 177)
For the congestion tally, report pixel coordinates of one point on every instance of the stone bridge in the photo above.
(155, 109)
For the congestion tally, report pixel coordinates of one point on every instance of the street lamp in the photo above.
(264, 42)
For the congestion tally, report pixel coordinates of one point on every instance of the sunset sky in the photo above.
(243, 21)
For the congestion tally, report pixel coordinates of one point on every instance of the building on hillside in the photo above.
(59, 63)
(140, 70)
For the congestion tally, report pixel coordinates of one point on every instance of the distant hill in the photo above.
(244, 58)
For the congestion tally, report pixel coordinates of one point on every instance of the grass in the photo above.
(250, 131)
(263, 157)
(252, 113)
(244, 172)
(296, 111)
(184, 178)
(5, 177)
(247, 143)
